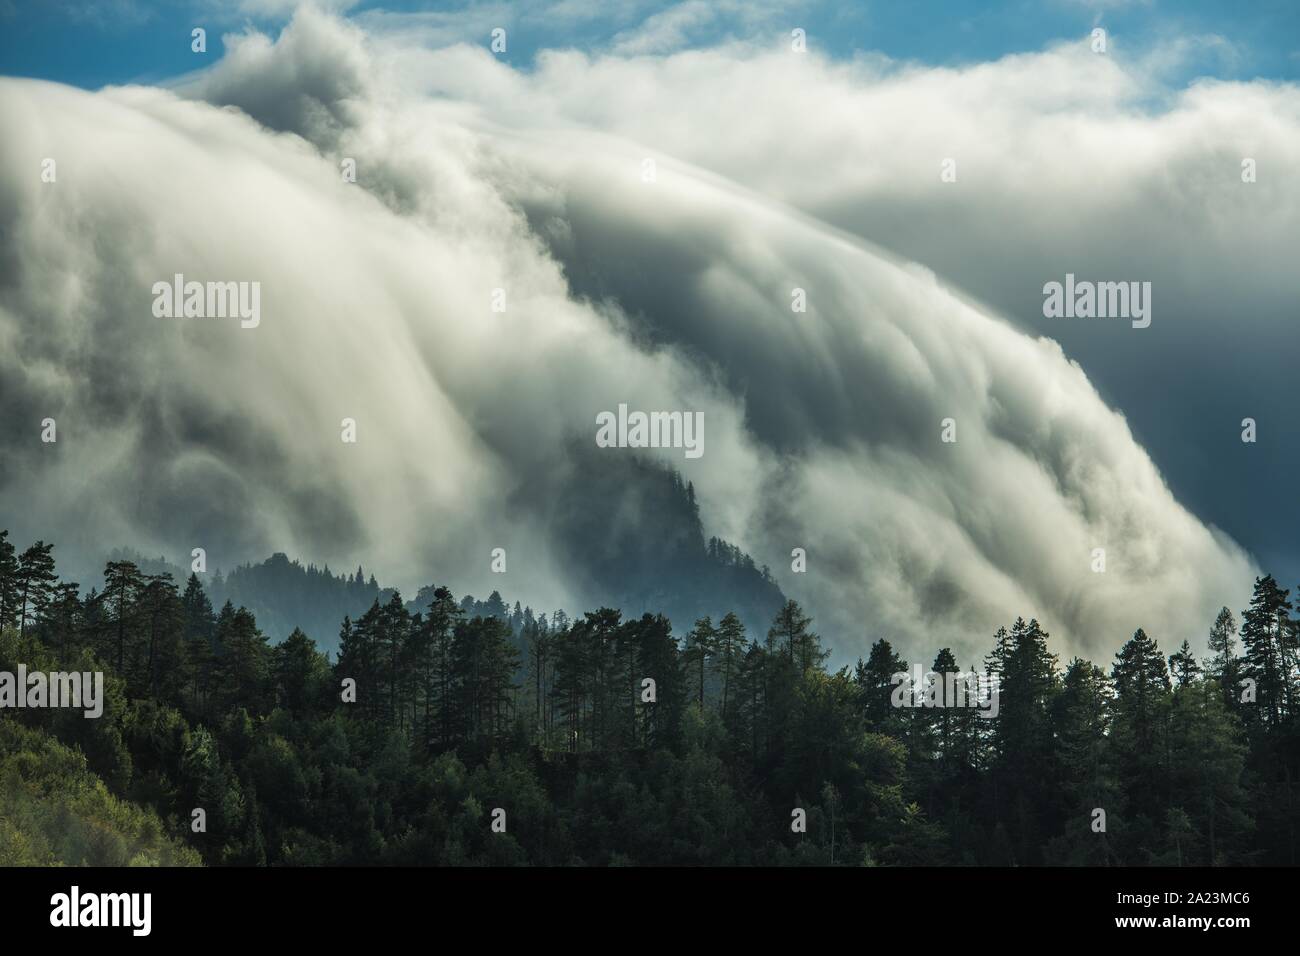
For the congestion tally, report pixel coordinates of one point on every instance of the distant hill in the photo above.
(635, 527)
(282, 593)
(632, 529)
(285, 594)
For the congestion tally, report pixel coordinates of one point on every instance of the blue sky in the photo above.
(94, 43)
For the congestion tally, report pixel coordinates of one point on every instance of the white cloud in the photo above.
(822, 428)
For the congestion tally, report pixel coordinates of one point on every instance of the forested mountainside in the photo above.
(691, 577)
(435, 738)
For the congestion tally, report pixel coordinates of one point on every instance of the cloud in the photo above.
(822, 428)
(684, 24)
(1107, 166)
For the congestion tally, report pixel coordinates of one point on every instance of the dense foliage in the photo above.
(463, 708)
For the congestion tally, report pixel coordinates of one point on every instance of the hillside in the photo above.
(664, 565)
(55, 812)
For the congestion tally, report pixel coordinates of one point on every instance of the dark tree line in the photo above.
(674, 569)
(613, 740)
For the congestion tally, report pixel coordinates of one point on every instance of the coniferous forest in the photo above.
(463, 713)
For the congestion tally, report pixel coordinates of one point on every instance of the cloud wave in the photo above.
(823, 428)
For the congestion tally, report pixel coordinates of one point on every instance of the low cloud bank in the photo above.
(823, 428)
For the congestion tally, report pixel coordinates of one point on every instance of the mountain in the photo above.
(661, 563)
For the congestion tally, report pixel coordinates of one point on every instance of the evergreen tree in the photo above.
(1182, 665)
(199, 628)
(540, 644)
(9, 588)
(749, 721)
(790, 630)
(441, 735)
(699, 651)
(122, 585)
(1142, 696)
(485, 663)
(1025, 795)
(392, 636)
(1223, 665)
(359, 659)
(164, 621)
(434, 658)
(1268, 638)
(1084, 711)
(244, 661)
(659, 660)
(598, 636)
(300, 674)
(876, 681)
(730, 645)
(64, 619)
(570, 688)
(1207, 752)
(944, 718)
(36, 582)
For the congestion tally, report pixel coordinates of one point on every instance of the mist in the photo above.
(823, 428)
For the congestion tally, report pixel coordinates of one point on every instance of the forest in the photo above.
(608, 740)
(665, 566)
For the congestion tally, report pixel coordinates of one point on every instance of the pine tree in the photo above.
(598, 633)
(199, 629)
(730, 645)
(64, 619)
(1268, 638)
(1140, 679)
(435, 666)
(164, 617)
(1027, 681)
(1089, 782)
(1023, 742)
(9, 589)
(779, 673)
(1142, 698)
(790, 629)
(627, 644)
(1207, 752)
(1183, 666)
(699, 651)
(244, 660)
(36, 582)
(495, 606)
(359, 659)
(300, 673)
(660, 661)
(484, 663)
(747, 726)
(944, 720)
(569, 688)
(122, 585)
(876, 681)
(539, 645)
(392, 634)
(1223, 666)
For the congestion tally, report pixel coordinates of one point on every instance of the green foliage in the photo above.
(607, 740)
(55, 812)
